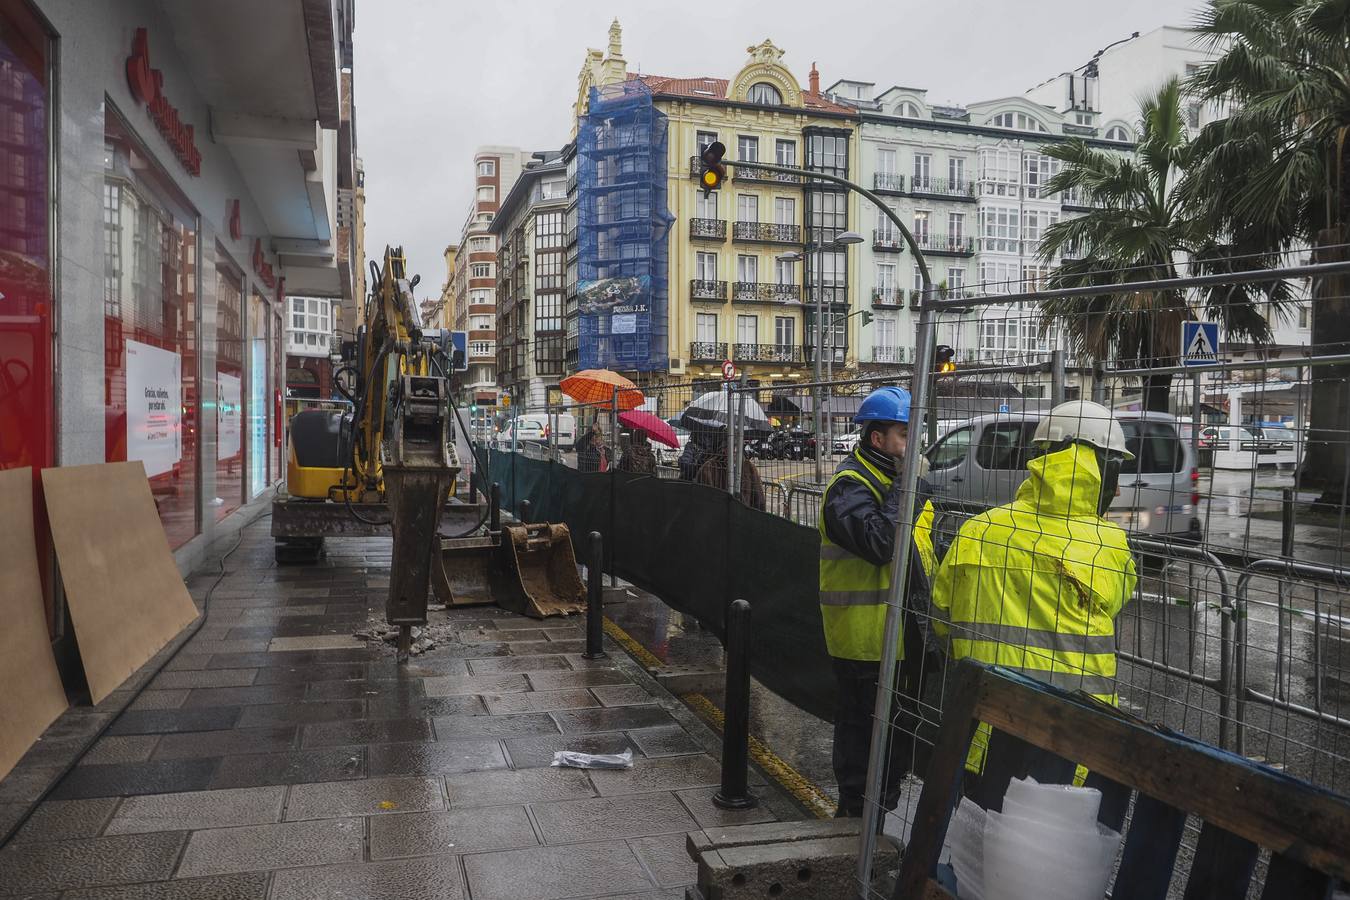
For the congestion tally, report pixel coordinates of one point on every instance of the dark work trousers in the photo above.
(856, 697)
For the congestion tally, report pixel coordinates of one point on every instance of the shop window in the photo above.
(257, 406)
(26, 408)
(229, 394)
(150, 320)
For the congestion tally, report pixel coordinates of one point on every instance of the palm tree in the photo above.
(1276, 170)
(1138, 229)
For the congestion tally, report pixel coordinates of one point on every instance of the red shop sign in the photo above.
(261, 267)
(232, 219)
(147, 86)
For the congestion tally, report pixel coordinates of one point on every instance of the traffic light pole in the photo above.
(904, 529)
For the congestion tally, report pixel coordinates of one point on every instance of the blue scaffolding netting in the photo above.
(622, 222)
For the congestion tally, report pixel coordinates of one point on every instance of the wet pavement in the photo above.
(276, 757)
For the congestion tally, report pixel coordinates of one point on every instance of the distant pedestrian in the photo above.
(701, 443)
(593, 456)
(713, 473)
(638, 458)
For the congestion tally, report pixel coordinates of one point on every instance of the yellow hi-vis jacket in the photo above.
(1035, 585)
(854, 591)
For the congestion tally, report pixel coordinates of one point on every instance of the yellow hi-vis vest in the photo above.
(1035, 585)
(853, 592)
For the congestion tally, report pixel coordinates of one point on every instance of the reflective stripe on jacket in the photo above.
(854, 589)
(1035, 585)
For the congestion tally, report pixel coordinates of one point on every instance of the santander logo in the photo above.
(147, 86)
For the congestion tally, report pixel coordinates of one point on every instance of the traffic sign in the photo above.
(728, 370)
(1199, 343)
(459, 351)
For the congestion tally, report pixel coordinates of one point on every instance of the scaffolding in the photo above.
(622, 222)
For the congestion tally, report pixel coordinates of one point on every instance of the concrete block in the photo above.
(690, 679)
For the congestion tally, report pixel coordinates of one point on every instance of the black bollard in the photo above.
(1287, 523)
(525, 512)
(735, 790)
(595, 600)
(495, 508)
(473, 488)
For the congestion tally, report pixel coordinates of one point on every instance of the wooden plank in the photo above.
(1270, 808)
(126, 597)
(31, 696)
(1150, 851)
(1222, 868)
(941, 788)
(1288, 880)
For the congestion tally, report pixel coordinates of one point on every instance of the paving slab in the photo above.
(261, 659)
(669, 740)
(539, 701)
(159, 699)
(405, 691)
(127, 779)
(256, 848)
(225, 743)
(552, 681)
(25, 783)
(242, 696)
(517, 664)
(165, 721)
(314, 672)
(314, 642)
(454, 685)
(424, 707)
(456, 831)
(667, 858)
(61, 820)
(662, 774)
(621, 718)
(290, 767)
(302, 713)
(365, 731)
(368, 797)
(247, 886)
(622, 695)
(502, 787)
(424, 878)
(709, 815)
(554, 873)
(453, 728)
(57, 865)
(121, 749)
(194, 810)
(438, 758)
(613, 818)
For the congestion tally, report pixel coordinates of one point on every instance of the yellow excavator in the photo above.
(388, 464)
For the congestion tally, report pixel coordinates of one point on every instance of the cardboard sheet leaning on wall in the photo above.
(32, 696)
(126, 597)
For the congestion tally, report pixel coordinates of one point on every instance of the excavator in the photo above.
(388, 464)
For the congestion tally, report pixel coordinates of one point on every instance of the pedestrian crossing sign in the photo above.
(1199, 343)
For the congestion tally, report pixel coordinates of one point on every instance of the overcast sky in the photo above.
(436, 78)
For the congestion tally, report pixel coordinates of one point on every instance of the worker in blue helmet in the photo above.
(857, 522)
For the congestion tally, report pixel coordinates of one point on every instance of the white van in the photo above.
(536, 428)
(981, 463)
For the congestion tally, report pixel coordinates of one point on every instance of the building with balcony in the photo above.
(969, 184)
(729, 296)
(312, 342)
(473, 282)
(530, 232)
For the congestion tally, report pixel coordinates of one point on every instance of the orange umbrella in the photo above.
(597, 386)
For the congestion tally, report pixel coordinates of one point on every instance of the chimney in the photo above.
(815, 80)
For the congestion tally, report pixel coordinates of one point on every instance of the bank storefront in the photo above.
(142, 280)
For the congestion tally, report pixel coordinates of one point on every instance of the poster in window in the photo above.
(154, 407)
(228, 396)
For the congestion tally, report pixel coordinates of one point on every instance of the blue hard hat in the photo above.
(887, 404)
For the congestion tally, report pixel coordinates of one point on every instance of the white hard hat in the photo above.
(1083, 420)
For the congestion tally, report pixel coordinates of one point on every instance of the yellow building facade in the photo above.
(731, 297)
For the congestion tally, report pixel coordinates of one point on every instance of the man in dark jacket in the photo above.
(593, 455)
(857, 522)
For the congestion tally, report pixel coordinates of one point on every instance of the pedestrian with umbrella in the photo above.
(709, 419)
(639, 458)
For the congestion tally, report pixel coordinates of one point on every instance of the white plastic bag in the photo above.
(577, 760)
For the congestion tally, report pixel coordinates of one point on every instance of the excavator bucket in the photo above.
(540, 571)
(527, 569)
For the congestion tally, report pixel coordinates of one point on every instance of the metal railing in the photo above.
(755, 175)
(887, 239)
(894, 297)
(708, 229)
(701, 289)
(942, 187)
(888, 183)
(962, 245)
(764, 292)
(790, 354)
(708, 351)
(766, 232)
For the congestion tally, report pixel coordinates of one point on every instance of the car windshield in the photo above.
(1278, 434)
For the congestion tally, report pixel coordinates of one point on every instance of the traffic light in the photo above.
(944, 359)
(714, 172)
(866, 316)
(473, 409)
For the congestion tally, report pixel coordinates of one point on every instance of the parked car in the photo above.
(536, 428)
(669, 456)
(1288, 449)
(1235, 447)
(844, 443)
(981, 463)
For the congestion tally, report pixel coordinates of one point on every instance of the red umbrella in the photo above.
(654, 425)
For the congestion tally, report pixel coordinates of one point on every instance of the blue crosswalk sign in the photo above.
(1199, 343)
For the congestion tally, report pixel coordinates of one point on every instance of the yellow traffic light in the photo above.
(714, 172)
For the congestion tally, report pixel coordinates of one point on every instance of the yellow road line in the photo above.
(807, 792)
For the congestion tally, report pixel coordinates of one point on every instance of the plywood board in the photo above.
(125, 595)
(31, 696)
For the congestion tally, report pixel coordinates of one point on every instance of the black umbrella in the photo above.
(709, 412)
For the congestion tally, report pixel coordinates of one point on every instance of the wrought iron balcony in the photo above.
(790, 354)
(945, 244)
(700, 289)
(762, 177)
(888, 240)
(762, 292)
(889, 354)
(766, 232)
(944, 188)
(888, 297)
(707, 351)
(957, 293)
(708, 229)
(888, 183)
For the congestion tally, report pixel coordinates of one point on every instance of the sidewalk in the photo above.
(276, 757)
